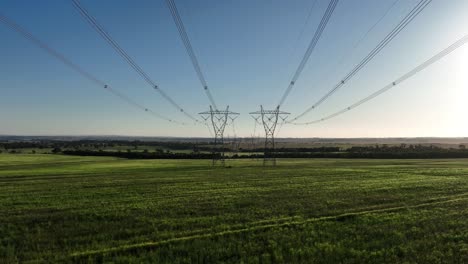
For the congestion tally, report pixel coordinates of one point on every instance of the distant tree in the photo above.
(33, 151)
(159, 151)
(463, 147)
(56, 150)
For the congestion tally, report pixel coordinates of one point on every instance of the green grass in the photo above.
(57, 208)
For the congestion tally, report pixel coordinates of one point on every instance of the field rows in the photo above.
(264, 224)
(101, 209)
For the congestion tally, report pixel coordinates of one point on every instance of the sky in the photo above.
(248, 51)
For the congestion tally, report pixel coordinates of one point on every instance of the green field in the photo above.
(56, 208)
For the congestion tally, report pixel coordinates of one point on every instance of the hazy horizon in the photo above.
(209, 137)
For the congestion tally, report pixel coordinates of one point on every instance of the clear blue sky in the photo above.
(248, 51)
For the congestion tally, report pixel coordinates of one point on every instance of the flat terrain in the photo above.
(56, 208)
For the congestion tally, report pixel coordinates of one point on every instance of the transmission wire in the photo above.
(318, 33)
(188, 47)
(363, 37)
(301, 34)
(106, 36)
(402, 25)
(389, 86)
(22, 31)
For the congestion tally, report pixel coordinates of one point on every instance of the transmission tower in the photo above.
(269, 120)
(219, 119)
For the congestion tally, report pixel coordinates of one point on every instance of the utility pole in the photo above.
(269, 120)
(219, 119)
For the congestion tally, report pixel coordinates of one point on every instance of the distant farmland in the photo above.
(56, 208)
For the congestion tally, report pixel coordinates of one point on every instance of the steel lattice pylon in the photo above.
(219, 119)
(269, 120)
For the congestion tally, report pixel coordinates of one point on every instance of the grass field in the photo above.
(57, 208)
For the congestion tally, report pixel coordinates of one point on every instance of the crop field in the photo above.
(56, 208)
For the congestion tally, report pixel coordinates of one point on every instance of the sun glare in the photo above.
(460, 93)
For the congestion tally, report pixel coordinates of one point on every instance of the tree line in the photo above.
(202, 150)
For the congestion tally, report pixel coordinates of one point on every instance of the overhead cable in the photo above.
(318, 33)
(188, 47)
(105, 35)
(363, 37)
(389, 86)
(402, 25)
(8, 22)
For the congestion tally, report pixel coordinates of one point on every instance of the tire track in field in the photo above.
(149, 245)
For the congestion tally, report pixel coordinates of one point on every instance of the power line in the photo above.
(389, 86)
(8, 22)
(188, 47)
(301, 34)
(373, 26)
(363, 37)
(369, 31)
(402, 25)
(318, 33)
(106, 36)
